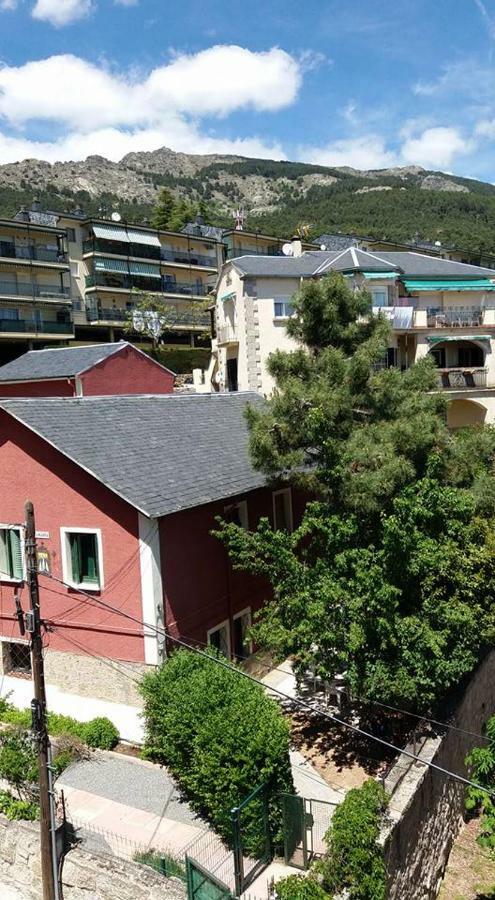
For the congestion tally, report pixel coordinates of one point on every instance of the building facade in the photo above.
(435, 306)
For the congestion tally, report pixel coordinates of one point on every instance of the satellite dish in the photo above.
(287, 249)
(323, 246)
(438, 243)
(116, 217)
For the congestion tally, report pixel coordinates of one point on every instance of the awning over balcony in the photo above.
(475, 284)
(111, 265)
(143, 237)
(439, 339)
(111, 233)
(229, 296)
(139, 268)
(378, 276)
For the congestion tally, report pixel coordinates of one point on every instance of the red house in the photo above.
(126, 492)
(101, 369)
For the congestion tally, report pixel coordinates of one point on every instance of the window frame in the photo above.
(380, 290)
(284, 302)
(244, 516)
(247, 611)
(225, 624)
(288, 493)
(10, 579)
(67, 562)
(17, 673)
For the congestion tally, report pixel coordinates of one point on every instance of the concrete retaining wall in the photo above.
(426, 806)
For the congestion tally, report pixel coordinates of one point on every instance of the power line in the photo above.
(294, 701)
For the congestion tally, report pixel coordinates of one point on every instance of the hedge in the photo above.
(181, 360)
(99, 733)
(221, 736)
(300, 887)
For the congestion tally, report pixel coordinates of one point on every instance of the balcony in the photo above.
(233, 252)
(443, 318)
(29, 289)
(151, 285)
(226, 334)
(458, 379)
(118, 316)
(42, 254)
(28, 326)
(121, 248)
(189, 258)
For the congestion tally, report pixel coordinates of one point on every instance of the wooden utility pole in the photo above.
(38, 706)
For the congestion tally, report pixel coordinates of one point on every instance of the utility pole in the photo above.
(38, 707)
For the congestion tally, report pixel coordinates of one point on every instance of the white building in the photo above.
(436, 306)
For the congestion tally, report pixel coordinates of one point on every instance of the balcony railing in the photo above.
(442, 318)
(28, 289)
(226, 334)
(29, 326)
(189, 257)
(121, 248)
(43, 254)
(462, 377)
(153, 285)
(232, 252)
(118, 316)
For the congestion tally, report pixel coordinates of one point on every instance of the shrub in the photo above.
(18, 762)
(481, 766)
(19, 717)
(354, 860)
(298, 887)
(101, 733)
(18, 809)
(221, 736)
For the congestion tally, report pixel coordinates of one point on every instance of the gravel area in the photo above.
(143, 787)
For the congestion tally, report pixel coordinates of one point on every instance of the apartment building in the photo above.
(436, 306)
(340, 241)
(35, 295)
(237, 242)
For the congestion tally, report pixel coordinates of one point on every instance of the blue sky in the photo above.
(367, 84)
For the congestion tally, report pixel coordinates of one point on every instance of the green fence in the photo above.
(251, 839)
(202, 885)
(305, 825)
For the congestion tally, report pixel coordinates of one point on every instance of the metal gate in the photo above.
(202, 885)
(251, 841)
(305, 825)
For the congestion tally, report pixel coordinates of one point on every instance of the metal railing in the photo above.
(443, 318)
(126, 282)
(462, 377)
(29, 289)
(189, 257)
(121, 248)
(29, 326)
(43, 254)
(226, 334)
(116, 315)
(232, 252)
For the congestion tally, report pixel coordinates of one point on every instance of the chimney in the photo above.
(36, 206)
(296, 246)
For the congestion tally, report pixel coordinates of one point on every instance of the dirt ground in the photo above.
(470, 873)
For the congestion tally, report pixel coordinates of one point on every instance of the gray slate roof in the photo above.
(65, 362)
(160, 453)
(354, 260)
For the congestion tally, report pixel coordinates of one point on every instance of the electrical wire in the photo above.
(294, 701)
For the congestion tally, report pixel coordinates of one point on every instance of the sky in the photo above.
(363, 84)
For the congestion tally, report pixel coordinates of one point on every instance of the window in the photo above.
(242, 623)
(379, 296)
(282, 510)
(74, 269)
(10, 314)
(470, 356)
(11, 554)
(283, 309)
(71, 235)
(238, 514)
(16, 658)
(219, 638)
(82, 557)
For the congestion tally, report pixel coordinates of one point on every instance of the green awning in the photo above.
(139, 268)
(111, 265)
(475, 284)
(110, 233)
(441, 339)
(229, 296)
(146, 238)
(376, 276)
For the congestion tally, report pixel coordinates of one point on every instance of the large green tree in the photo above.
(390, 576)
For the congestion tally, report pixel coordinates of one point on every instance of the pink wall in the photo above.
(64, 495)
(127, 372)
(61, 387)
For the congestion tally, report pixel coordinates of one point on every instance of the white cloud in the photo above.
(62, 12)
(488, 20)
(126, 2)
(367, 151)
(8, 5)
(214, 82)
(436, 148)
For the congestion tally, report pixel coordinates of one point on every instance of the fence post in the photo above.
(237, 851)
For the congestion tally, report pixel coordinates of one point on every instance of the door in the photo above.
(232, 383)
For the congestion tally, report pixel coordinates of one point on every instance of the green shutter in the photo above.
(17, 568)
(75, 556)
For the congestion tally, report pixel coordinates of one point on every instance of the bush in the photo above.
(164, 863)
(101, 733)
(18, 762)
(18, 809)
(181, 360)
(298, 887)
(19, 717)
(354, 860)
(221, 736)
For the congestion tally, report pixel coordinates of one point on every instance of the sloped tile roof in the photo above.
(64, 362)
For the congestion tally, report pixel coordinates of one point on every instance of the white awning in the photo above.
(143, 237)
(110, 233)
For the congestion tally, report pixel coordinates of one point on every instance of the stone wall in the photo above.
(426, 807)
(85, 876)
